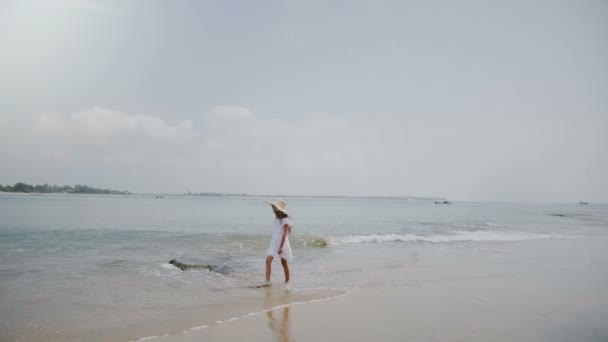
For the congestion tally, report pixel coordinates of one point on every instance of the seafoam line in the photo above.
(251, 314)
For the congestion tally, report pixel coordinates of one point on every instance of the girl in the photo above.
(279, 244)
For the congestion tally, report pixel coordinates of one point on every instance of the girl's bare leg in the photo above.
(285, 269)
(268, 266)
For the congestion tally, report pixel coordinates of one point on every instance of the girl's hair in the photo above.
(281, 215)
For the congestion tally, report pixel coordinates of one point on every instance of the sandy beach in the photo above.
(536, 294)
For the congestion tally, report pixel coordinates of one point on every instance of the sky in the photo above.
(465, 100)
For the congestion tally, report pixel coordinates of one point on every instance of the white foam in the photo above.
(345, 293)
(199, 328)
(458, 236)
(148, 338)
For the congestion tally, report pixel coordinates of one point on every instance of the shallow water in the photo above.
(79, 267)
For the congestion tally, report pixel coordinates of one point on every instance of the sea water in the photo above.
(78, 267)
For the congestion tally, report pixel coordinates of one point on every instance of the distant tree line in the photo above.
(51, 189)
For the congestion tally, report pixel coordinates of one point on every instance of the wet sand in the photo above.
(538, 291)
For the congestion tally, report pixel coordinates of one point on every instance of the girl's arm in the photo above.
(285, 229)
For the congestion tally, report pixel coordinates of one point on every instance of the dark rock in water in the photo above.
(583, 203)
(558, 215)
(213, 268)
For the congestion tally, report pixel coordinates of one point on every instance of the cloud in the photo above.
(273, 155)
(232, 148)
(228, 149)
(99, 125)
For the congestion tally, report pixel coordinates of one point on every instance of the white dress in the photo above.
(275, 241)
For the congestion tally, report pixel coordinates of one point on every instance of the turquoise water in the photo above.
(68, 259)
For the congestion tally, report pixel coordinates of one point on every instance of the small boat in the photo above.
(443, 202)
(583, 203)
(160, 196)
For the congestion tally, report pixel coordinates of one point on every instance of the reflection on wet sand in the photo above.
(280, 327)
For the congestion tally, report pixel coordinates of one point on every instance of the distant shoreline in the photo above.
(337, 197)
(307, 196)
(25, 188)
(58, 194)
(220, 195)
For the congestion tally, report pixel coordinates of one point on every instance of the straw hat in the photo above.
(280, 206)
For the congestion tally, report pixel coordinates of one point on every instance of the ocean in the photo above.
(84, 267)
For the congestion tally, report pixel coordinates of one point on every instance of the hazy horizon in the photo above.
(294, 195)
(470, 101)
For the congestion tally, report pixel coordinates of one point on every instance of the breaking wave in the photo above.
(458, 236)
